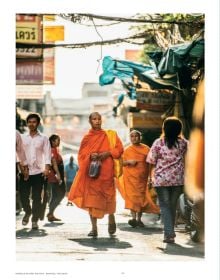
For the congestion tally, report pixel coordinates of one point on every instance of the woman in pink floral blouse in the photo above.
(166, 158)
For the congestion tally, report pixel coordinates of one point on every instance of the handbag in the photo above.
(94, 168)
(118, 162)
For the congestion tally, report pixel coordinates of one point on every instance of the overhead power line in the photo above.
(85, 45)
(78, 17)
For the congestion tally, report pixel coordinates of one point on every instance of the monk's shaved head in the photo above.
(95, 120)
(94, 114)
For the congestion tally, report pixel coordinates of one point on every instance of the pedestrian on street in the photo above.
(133, 183)
(56, 183)
(70, 170)
(166, 158)
(96, 194)
(21, 167)
(38, 154)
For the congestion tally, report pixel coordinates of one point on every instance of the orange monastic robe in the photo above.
(98, 196)
(133, 183)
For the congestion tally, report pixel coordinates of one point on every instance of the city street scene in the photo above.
(110, 137)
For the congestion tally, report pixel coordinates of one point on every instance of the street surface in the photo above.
(68, 241)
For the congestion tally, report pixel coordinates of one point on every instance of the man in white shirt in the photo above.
(38, 153)
(21, 166)
(20, 153)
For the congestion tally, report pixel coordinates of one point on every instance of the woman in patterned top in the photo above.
(166, 159)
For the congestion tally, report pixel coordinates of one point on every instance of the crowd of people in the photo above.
(91, 185)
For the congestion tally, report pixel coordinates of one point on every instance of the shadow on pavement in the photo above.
(102, 244)
(53, 224)
(27, 233)
(177, 249)
(147, 230)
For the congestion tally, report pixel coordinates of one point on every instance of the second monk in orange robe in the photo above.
(133, 183)
(96, 195)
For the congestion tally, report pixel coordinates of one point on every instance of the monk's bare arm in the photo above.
(94, 156)
(129, 162)
(104, 155)
(151, 168)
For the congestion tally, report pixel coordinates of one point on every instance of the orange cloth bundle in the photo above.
(118, 163)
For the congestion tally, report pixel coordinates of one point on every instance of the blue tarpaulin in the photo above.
(181, 59)
(169, 70)
(126, 70)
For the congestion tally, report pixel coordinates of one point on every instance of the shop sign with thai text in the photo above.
(28, 52)
(28, 30)
(29, 73)
(29, 91)
(154, 101)
(148, 119)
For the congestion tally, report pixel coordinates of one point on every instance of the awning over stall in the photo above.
(126, 70)
(181, 59)
(170, 70)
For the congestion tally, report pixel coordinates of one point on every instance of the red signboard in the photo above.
(26, 18)
(49, 69)
(29, 73)
(133, 55)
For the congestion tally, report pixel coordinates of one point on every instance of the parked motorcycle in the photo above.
(192, 214)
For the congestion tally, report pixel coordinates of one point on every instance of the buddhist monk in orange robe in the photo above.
(133, 183)
(96, 195)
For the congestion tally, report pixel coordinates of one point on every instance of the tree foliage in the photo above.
(165, 34)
